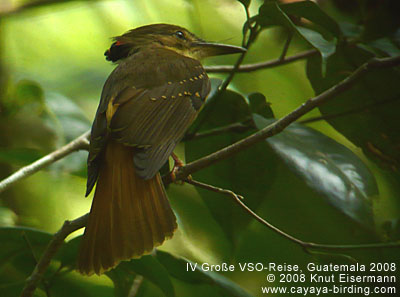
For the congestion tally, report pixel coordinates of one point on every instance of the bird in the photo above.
(147, 103)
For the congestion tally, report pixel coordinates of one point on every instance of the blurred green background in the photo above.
(52, 70)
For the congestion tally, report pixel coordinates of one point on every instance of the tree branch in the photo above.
(79, 143)
(262, 65)
(51, 250)
(307, 245)
(282, 123)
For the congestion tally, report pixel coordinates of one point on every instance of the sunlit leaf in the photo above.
(7, 217)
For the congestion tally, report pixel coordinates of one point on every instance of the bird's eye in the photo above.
(180, 35)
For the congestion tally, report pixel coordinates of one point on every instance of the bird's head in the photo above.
(169, 37)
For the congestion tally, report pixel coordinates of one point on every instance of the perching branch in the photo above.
(306, 245)
(51, 250)
(77, 144)
(282, 123)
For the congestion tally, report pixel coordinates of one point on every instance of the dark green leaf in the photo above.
(190, 272)
(327, 167)
(68, 252)
(19, 250)
(21, 242)
(122, 280)
(325, 47)
(259, 105)
(367, 114)
(147, 266)
(241, 173)
(245, 3)
(385, 46)
(271, 14)
(312, 12)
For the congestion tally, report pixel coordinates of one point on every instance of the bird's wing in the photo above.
(156, 120)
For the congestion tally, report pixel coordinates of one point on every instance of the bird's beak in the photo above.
(208, 49)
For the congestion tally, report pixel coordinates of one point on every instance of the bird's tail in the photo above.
(129, 215)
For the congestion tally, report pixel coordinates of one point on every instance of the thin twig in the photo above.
(262, 65)
(282, 123)
(77, 144)
(307, 245)
(286, 46)
(137, 283)
(51, 250)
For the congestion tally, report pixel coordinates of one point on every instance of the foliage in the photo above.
(331, 178)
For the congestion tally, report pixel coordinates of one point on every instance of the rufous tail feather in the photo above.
(129, 215)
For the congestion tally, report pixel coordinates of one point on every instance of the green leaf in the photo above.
(327, 167)
(258, 104)
(66, 117)
(271, 14)
(68, 121)
(19, 249)
(325, 47)
(68, 252)
(23, 243)
(366, 114)
(190, 272)
(147, 266)
(240, 173)
(312, 12)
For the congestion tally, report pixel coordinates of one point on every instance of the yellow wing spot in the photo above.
(190, 94)
(181, 82)
(184, 80)
(197, 94)
(191, 79)
(195, 78)
(201, 76)
(180, 94)
(173, 97)
(164, 97)
(153, 99)
(185, 93)
(170, 83)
